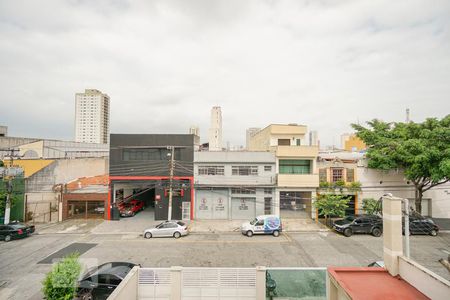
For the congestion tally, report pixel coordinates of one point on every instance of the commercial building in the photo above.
(296, 168)
(140, 166)
(92, 117)
(234, 185)
(350, 142)
(215, 130)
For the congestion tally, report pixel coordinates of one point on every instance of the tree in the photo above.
(422, 150)
(332, 205)
(371, 206)
(61, 281)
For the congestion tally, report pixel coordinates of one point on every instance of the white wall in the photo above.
(440, 202)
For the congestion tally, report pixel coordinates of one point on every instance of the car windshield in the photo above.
(254, 221)
(349, 219)
(17, 226)
(181, 223)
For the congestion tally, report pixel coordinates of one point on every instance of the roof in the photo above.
(373, 283)
(84, 182)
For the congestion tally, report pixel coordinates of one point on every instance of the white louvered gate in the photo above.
(154, 284)
(218, 284)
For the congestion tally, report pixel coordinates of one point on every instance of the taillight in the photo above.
(20, 231)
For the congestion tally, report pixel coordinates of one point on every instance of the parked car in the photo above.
(422, 225)
(100, 282)
(167, 228)
(138, 205)
(126, 210)
(15, 231)
(265, 224)
(359, 224)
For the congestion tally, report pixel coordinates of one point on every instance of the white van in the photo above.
(265, 224)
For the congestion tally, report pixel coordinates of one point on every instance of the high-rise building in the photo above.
(249, 134)
(92, 117)
(313, 138)
(215, 131)
(194, 130)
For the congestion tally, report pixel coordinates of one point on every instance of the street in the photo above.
(21, 273)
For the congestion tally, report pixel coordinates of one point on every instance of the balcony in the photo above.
(298, 180)
(296, 151)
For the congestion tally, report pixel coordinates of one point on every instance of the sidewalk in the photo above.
(68, 226)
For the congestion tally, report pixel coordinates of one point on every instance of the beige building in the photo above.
(92, 117)
(296, 168)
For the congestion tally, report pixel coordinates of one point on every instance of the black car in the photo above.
(15, 231)
(100, 282)
(422, 225)
(360, 224)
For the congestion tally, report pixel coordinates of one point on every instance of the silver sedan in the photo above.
(167, 228)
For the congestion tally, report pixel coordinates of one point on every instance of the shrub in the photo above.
(354, 186)
(61, 281)
(332, 205)
(371, 206)
(324, 185)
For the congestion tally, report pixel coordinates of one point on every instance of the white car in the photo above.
(167, 228)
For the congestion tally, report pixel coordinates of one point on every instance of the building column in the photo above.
(392, 233)
(175, 277)
(260, 283)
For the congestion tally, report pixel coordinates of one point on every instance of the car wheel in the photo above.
(348, 232)
(176, 235)
(148, 235)
(249, 233)
(276, 233)
(433, 232)
(7, 238)
(376, 232)
(86, 295)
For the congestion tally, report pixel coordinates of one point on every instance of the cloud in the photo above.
(164, 64)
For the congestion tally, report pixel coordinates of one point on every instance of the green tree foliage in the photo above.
(371, 206)
(332, 205)
(422, 150)
(60, 283)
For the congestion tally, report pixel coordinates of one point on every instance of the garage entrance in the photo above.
(153, 193)
(295, 205)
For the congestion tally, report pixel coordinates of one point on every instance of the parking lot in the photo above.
(20, 267)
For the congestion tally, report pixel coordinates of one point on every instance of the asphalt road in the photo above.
(21, 275)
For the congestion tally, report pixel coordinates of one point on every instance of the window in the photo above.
(148, 154)
(295, 166)
(267, 191)
(350, 175)
(323, 175)
(267, 168)
(267, 205)
(284, 142)
(336, 174)
(211, 170)
(245, 191)
(244, 170)
(298, 142)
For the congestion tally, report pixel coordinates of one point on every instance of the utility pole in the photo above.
(9, 189)
(406, 203)
(171, 167)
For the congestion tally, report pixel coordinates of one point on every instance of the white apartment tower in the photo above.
(215, 131)
(92, 117)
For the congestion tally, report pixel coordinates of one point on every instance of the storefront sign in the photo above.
(243, 206)
(219, 205)
(203, 204)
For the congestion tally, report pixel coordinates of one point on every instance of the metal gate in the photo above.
(218, 283)
(154, 284)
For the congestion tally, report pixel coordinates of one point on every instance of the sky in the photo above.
(165, 64)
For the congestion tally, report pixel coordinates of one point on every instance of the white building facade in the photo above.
(234, 185)
(215, 130)
(92, 111)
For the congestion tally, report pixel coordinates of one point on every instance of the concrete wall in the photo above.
(128, 288)
(440, 200)
(429, 283)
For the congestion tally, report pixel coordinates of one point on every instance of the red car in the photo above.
(131, 208)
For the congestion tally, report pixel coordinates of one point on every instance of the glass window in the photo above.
(246, 191)
(295, 166)
(337, 174)
(323, 175)
(267, 168)
(149, 154)
(244, 170)
(350, 175)
(268, 191)
(284, 142)
(211, 170)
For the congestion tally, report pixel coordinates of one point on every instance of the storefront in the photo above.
(84, 205)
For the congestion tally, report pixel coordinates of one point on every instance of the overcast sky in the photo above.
(164, 64)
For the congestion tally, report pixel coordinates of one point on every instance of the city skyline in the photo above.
(269, 63)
